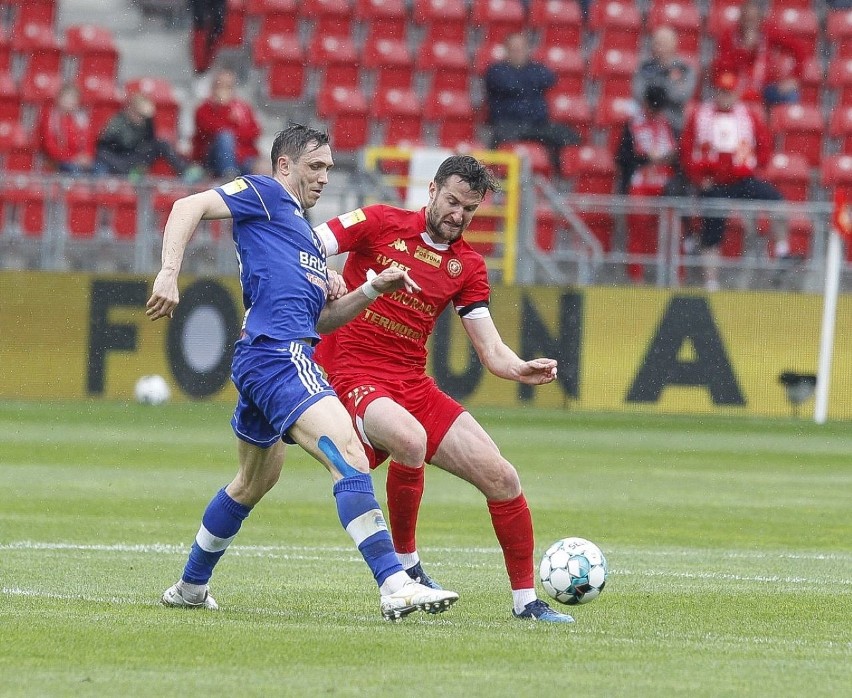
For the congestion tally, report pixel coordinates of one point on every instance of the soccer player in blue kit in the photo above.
(283, 396)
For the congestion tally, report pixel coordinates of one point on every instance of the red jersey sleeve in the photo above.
(352, 230)
(475, 292)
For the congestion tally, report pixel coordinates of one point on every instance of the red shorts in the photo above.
(436, 411)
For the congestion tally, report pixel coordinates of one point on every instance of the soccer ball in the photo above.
(573, 570)
(152, 390)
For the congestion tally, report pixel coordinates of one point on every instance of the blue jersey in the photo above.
(282, 265)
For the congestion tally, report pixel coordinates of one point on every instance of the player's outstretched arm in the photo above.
(338, 312)
(500, 360)
(183, 219)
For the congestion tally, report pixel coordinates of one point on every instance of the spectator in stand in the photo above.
(208, 24)
(66, 134)
(517, 108)
(666, 69)
(129, 146)
(647, 156)
(225, 130)
(724, 143)
(768, 64)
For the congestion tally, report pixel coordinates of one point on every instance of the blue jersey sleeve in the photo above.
(250, 198)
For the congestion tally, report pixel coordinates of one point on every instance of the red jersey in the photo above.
(389, 337)
(237, 116)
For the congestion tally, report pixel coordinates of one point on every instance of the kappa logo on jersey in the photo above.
(428, 256)
(235, 187)
(347, 220)
(399, 245)
(311, 261)
(454, 268)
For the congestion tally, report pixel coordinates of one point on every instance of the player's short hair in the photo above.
(296, 140)
(468, 169)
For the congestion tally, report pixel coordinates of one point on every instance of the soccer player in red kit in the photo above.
(377, 365)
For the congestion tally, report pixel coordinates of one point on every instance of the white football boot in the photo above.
(174, 597)
(416, 597)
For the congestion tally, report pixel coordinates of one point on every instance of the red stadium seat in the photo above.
(119, 201)
(569, 65)
(799, 129)
(22, 200)
(10, 99)
(440, 12)
(273, 16)
(488, 52)
(840, 127)
(337, 58)
(345, 108)
(5, 51)
(497, 18)
(546, 228)
(610, 116)
(38, 45)
(102, 97)
(571, 109)
(592, 168)
(17, 149)
(284, 59)
(391, 64)
(271, 47)
(801, 23)
(41, 12)
(39, 88)
(447, 64)
(386, 19)
(452, 113)
(401, 113)
(559, 22)
(836, 172)
(722, 17)
(839, 31)
(81, 211)
(534, 152)
(234, 33)
(791, 173)
(813, 78)
(618, 24)
(162, 93)
(614, 69)
(840, 79)
(684, 17)
(94, 48)
(330, 17)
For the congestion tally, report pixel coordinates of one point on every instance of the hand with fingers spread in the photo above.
(392, 279)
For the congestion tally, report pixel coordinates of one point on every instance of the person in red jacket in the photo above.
(768, 63)
(66, 134)
(225, 130)
(724, 143)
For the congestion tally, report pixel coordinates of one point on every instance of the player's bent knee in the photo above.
(348, 463)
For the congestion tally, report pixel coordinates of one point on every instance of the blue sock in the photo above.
(219, 525)
(362, 518)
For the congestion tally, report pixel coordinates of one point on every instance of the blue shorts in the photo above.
(277, 381)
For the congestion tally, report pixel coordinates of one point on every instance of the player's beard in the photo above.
(437, 232)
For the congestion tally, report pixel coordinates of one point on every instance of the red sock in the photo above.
(405, 490)
(512, 523)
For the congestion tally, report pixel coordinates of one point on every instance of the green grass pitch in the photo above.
(729, 544)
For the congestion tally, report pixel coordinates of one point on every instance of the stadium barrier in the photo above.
(69, 336)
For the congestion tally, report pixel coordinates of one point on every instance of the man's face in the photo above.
(517, 51)
(450, 209)
(725, 99)
(663, 45)
(223, 87)
(307, 176)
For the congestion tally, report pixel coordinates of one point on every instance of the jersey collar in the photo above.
(440, 246)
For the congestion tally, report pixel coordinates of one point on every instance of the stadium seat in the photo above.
(161, 92)
(385, 19)
(447, 64)
(618, 24)
(345, 108)
(234, 34)
(39, 47)
(284, 59)
(839, 31)
(813, 78)
(610, 116)
(23, 202)
(336, 58)
(451, 28)
(330, 17)
(790, 172)
(722, 16)
(5, 51)
(41, 12)
(571, 109)
(10, 99)
(569, 65)
(798, 129)
(452, 114)
(840, 79)
(534, 152)
(559, 23)
(488, 52)
(401, 113)
(37, 89)
(546, 228)
(592, 168)
(684, 17)
(496, 19)
(801, 23)
(102, 97)
(94, 49)
(391, 64)
(17, 149)
(614, 70)
(81, 210)
(118, 199)
(273, 16)
(840, 127)
(836, 172)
